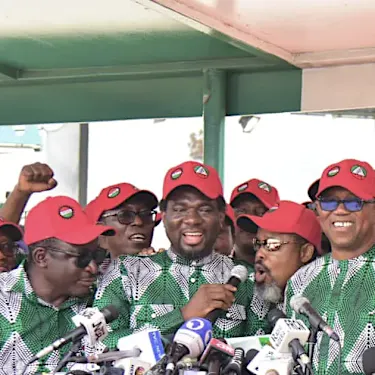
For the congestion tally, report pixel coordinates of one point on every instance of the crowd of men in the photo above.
(69, 257)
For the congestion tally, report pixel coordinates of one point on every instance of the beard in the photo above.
(269, 292)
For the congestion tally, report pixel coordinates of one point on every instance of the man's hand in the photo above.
(35, 178)
(150, 251)
(208, 298)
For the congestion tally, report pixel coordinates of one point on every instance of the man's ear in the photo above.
(306, 253)
(40, 257)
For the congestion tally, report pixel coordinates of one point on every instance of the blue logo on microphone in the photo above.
(195, 324)
(201, 327)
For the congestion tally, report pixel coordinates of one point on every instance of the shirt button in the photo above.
(192, 280)
(193, 263)
(228, 315)
(153, 315)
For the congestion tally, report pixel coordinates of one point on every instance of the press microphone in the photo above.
(368, 361)
(91, 323)
(289, 336)
(234, 367)
(249, 356)
(301, 305)
(238, 274)
(190, 340)
(216, 354)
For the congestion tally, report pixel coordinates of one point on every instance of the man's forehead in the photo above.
(247, 200)
(138, 201)
(188, 193)
(337, 191)
(264, 234)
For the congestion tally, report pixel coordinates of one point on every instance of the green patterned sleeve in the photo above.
(113, 290)
(287, 296)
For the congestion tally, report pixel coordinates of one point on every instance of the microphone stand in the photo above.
(311, 342)
(73, 350)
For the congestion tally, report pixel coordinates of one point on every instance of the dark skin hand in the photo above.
(208, 298)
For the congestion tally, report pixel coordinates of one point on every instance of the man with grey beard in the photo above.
(288, 236)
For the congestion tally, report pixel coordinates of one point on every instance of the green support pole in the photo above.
(214, 111)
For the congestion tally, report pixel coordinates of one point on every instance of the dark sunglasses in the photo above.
(270, 244)
(350, 204)
(8, 248)
(126, 217)
(85, 256)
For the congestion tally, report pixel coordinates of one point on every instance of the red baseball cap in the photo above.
(11, 230)
(266, 193)
(287, 217)
(114, 195)
(192, 173)
(62, 218)
(356, 176)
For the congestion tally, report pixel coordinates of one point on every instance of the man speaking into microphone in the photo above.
(188, 280)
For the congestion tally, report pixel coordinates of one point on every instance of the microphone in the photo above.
(288, 335)
(238, 274)
(91, 323)
(250, 355)
(234, 367)
(216, 353)
(190, 339)
(107, 357)
(368, 361)
(301, 305)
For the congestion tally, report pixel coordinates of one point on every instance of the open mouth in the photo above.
(192, 238)
(342, 225)
(260, 273)
(137, 237)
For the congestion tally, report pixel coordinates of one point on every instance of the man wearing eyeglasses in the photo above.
(288, 236)
(253, 197)
(340, 285)
(39, 298)
(131, 212)
(189, 279)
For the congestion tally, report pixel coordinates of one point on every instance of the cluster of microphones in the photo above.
(193, 350)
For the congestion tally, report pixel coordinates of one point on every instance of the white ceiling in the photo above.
(39, 17)
(304, 32)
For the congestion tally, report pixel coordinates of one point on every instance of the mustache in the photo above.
(266, 269)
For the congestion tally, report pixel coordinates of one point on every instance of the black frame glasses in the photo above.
(85, 256)
(350, 204)
(270, 244)
(126, 217)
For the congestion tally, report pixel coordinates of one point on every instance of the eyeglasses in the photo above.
(350, 204)
(8, 248)
(85, 256)
(126, 217)
(270, 244)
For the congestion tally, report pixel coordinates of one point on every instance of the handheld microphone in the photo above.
(289, 336)
(216, 354)
(249, 356)
(238, 274)
(368, 360)
(301, 305)
(190, 340)
(234, 367)
(109, 313)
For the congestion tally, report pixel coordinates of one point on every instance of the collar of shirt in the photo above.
(191, 262)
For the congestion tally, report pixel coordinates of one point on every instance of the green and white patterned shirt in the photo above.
(28, 324)
(150, 292)
(343, 293)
